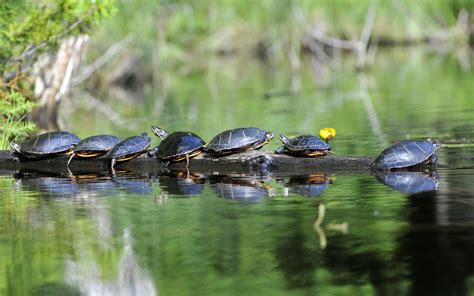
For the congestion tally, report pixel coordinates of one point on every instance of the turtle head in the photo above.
(159, 132)
(15, 147)
(437, 146)
(269, 136)
(327, 134)
(284, 139)
(145, 135)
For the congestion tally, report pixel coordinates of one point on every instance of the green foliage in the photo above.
(178, 32)
(14, 107)
(28, 29)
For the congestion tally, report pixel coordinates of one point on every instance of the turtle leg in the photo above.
(153, 152)
(433, 161)
(280, 150)
(15, 157)
(112, 166)
(69, 161)
(187, 162)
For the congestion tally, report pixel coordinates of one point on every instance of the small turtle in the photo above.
(407, 154)
(47, 144)
(304, 145)
(128, 149)
(176, 146)
(94, 146)
(238, 140)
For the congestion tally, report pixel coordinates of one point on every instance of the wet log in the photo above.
(251, 163)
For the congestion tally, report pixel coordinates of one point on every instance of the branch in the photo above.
(97, 64)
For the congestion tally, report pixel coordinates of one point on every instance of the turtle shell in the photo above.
(306, 142)
(238, 139)
(48, 143)
(406, 154)
(130, 147)
(179, 144)
(97, 144)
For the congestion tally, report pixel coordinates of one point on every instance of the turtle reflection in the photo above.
(311, 185)
(408, 182)
(95, 183)
(48, 186)
(240, 189)
(133, 183)
(182, 184)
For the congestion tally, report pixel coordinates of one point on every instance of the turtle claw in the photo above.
(15, 158)
(280, 150)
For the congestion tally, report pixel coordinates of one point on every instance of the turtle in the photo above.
(407, 154)
(176, 146)
(129, 148)
(238, 140)
(47, 144)
(304, 145)
(94, 146)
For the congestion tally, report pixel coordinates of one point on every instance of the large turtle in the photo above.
(47, 144)
(304, 145)
(238, 140)
(407, 154)
(176, 146)
(94, 146)
(129, 148)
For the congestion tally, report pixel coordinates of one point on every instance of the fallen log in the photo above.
(250, 162)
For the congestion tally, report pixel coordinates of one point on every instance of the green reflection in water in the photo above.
(208, 245)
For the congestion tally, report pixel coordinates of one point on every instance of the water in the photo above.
(335, 234)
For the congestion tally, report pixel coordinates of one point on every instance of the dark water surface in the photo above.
(329, 234)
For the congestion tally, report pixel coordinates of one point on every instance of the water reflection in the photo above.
(49, 186)
(241, 189)
(439, 255)
(311, 185)
(133, 183)
(85, 275)
(304, 244)
(409, 182)
(65, 186)
(182, 184)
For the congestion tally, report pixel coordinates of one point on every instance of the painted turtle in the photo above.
(406, 154)
(129, 148)
(176, 146)
(94, 146)
(305, 145)
(238, 140)
(48, 144)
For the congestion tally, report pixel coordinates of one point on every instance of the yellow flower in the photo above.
(327, 133)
